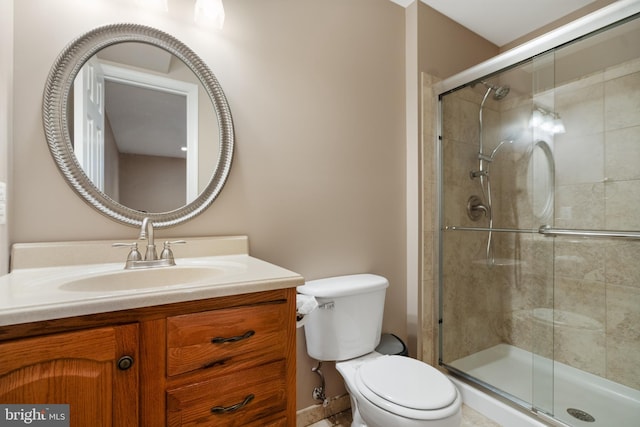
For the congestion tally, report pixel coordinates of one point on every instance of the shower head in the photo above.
(499, 92)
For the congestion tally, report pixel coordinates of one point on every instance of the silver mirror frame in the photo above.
(54, 113)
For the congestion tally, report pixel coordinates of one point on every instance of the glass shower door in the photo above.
(540, 239)
(596, 309)
(496, 270)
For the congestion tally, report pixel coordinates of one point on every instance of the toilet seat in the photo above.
(407, 387)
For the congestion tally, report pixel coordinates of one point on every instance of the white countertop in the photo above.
(36, 294)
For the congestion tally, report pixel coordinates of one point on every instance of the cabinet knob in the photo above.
(125, 362)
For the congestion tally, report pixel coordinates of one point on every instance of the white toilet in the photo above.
(385, 391)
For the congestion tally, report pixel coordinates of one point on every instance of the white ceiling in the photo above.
(503, 21)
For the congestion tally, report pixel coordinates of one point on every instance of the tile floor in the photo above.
(470, 418)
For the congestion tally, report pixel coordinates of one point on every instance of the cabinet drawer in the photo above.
(240, 336)
(237, 399)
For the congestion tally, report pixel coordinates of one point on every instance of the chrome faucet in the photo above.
(151, 260)
(146, 233)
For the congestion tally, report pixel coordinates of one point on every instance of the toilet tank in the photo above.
(348, 320)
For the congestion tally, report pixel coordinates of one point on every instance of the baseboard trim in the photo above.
(315, 413)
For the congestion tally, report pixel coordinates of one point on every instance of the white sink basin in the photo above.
(34, 293)
(127, 280)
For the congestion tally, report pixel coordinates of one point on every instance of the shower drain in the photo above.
(581, 415)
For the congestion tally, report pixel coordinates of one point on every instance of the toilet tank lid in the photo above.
(341, 286)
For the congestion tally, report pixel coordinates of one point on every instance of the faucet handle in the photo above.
(134, 254)
(167, 253)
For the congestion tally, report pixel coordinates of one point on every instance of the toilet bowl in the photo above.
(399, 391)
(385, 390)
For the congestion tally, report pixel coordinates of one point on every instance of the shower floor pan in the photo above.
(593, 400)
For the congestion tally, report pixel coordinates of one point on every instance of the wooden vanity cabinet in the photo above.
(227, 361)
(76, 368)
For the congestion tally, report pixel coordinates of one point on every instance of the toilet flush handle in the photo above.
(329, 305)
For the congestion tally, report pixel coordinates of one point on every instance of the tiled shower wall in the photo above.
(593, 286)
(598, 187)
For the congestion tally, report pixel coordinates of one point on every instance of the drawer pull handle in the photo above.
(215, 363)
(222, 340)
(232, 408)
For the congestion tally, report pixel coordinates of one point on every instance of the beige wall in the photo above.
(137, 173)
(316, 90)
(6, 99)
(446, 47)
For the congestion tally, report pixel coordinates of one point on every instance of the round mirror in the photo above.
(138, 125)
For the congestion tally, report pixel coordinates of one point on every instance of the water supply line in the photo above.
(319, 392)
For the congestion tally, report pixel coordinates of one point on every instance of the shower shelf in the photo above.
(546, 230)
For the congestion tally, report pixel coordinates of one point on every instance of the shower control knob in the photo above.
(476, 209)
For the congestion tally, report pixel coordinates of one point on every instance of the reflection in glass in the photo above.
(141, 114)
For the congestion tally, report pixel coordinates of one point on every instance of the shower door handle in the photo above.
(547, 230)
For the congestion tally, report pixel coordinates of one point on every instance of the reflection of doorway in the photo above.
(148, 115)
(155, 116)
(89, 121)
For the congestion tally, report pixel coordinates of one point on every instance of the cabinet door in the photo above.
(76, 368)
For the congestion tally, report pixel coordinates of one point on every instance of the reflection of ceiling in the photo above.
(503, 21)
(146, 121)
